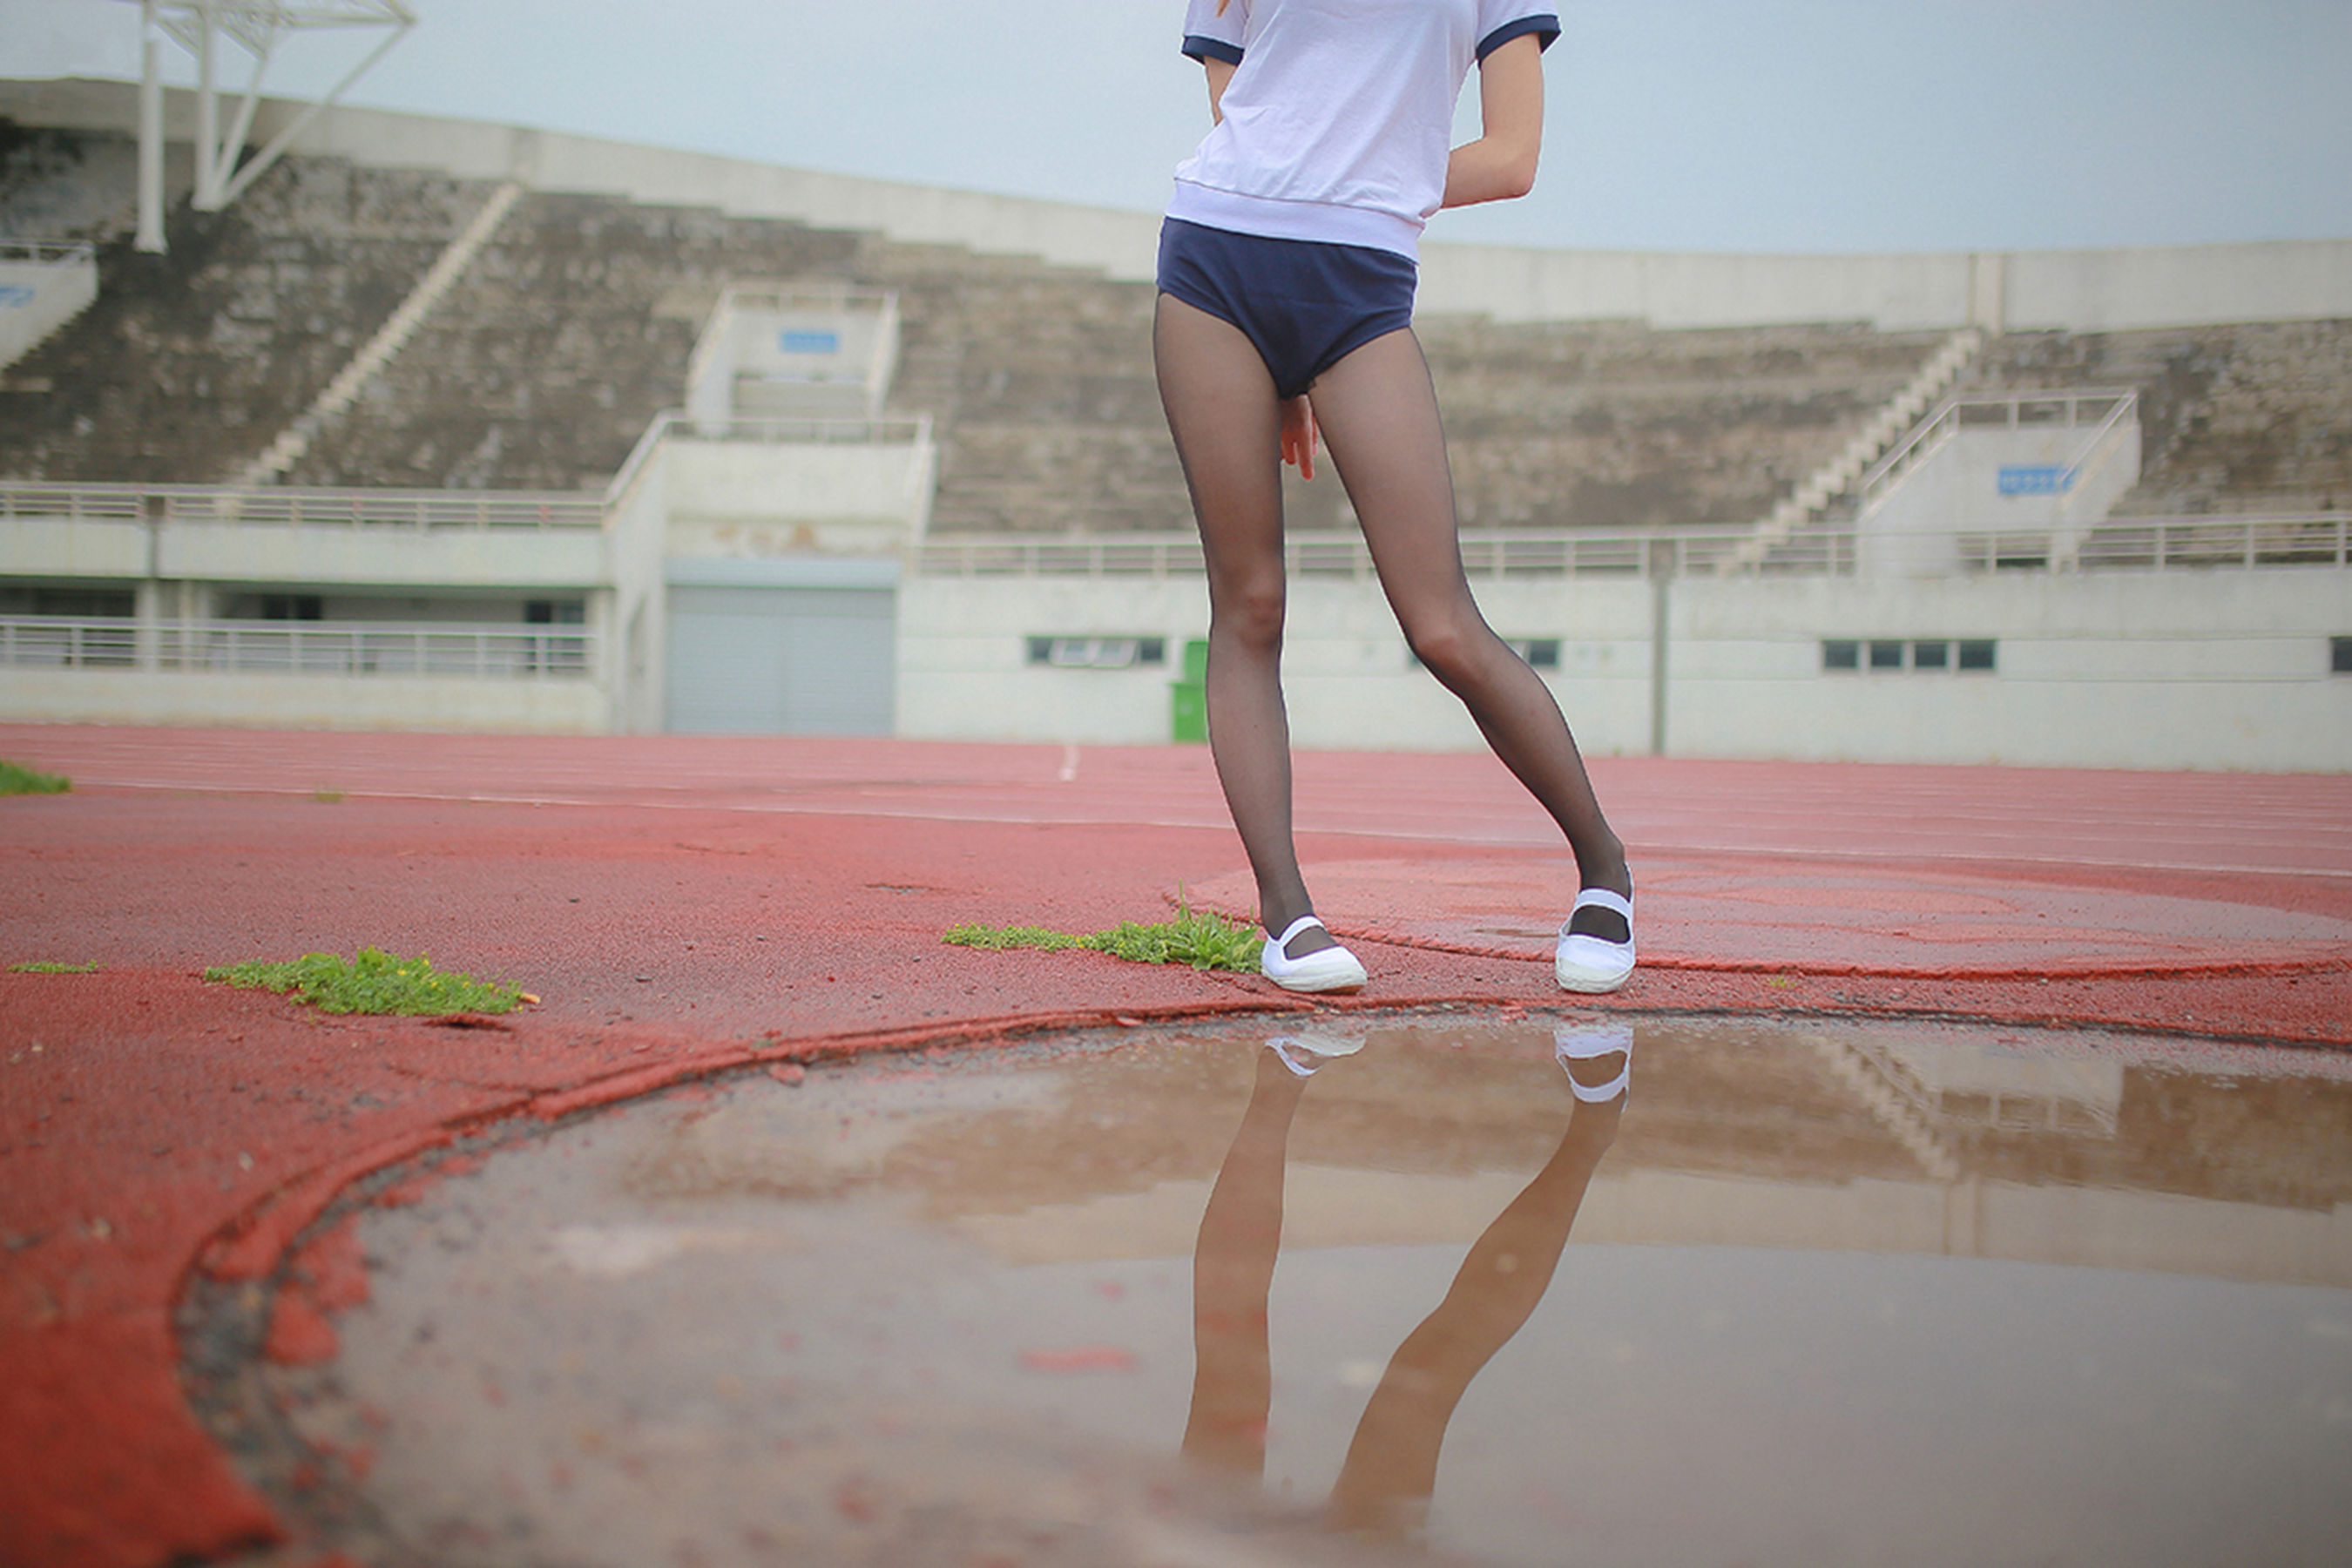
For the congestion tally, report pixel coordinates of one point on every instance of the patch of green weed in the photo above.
(1201, 938)
(327, 794)
(997, 939)
(374, 982)
(43, 966)
(15, 778)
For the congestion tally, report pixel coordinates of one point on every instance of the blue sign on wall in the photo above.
(810, 342)
(16, 295)
(2035, 481)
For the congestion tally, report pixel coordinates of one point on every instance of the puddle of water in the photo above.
(1820, 1295)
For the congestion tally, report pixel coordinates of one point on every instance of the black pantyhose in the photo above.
(1378, 414)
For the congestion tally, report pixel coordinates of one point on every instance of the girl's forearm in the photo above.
(1485, 171)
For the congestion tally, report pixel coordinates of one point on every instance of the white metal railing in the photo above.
(432, 511)
(1484, 554)
(2103, 408)
(2170, 543)
(451, 650)
(2145, 544)
(47, 251)
(413, 511)
(56, 642)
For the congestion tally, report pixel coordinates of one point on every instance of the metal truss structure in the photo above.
(204, 29)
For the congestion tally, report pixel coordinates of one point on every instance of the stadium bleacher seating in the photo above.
(572, 329)
(2252, 418)
(191, 362)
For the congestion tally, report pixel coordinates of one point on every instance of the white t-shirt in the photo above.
(1339, 118)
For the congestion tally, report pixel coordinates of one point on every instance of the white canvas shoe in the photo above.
(1327, 969)
(1593, 964)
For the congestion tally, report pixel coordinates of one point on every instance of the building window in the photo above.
(71, 603)
(292, 607)
(1097, 653)
(1924, 655)
(2339, 655)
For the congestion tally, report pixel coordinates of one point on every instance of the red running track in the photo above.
(683, 905)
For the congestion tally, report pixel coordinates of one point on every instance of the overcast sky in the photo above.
(1761, 125)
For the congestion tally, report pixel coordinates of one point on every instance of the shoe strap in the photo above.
(1601, 898)
(1293, 928)
(1607, 1091)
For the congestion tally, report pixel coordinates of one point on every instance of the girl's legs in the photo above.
(1379, 414)
(1226, 421)
(1391, 1465)
(1232, 1272)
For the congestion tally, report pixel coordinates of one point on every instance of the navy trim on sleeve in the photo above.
(1546, 28)
(1201, 48)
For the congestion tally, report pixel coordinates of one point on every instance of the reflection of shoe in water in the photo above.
(1332, 968)
(1303, 1052)
(1574, 1043)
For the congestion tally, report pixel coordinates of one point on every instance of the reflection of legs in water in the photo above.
(1391, 1465)
(1232, 1270)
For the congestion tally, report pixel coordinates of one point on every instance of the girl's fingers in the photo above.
(1298, 436)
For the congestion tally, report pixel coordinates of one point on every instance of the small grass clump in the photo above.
(997, 938)
(45, 966)
(15, 778)
(1201, 938)
(374, 982)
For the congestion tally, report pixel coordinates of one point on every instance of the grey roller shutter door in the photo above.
(781, 661)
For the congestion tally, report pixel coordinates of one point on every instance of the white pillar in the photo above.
(148, 634)
(151, 137)
(1988, 291)
(208, 173)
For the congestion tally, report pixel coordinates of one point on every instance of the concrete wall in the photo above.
(2225, 669)
(44, 547)
(259, 552)
(36, 298)
(637, 607)
(1908, 529)
(2080, 290)
(2076, 290)
(749, 497)
(300, 701)
(534, 558)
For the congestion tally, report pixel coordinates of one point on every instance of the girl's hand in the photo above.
(1298, 436)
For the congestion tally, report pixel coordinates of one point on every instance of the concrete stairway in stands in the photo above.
(1841, 473)
(390, 339)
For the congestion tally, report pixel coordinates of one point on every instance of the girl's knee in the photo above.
(1449, 647)
(1250, 611)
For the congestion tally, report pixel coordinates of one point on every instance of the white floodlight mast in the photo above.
(199, 27)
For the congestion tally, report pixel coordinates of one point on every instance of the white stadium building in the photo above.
(433, 423)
